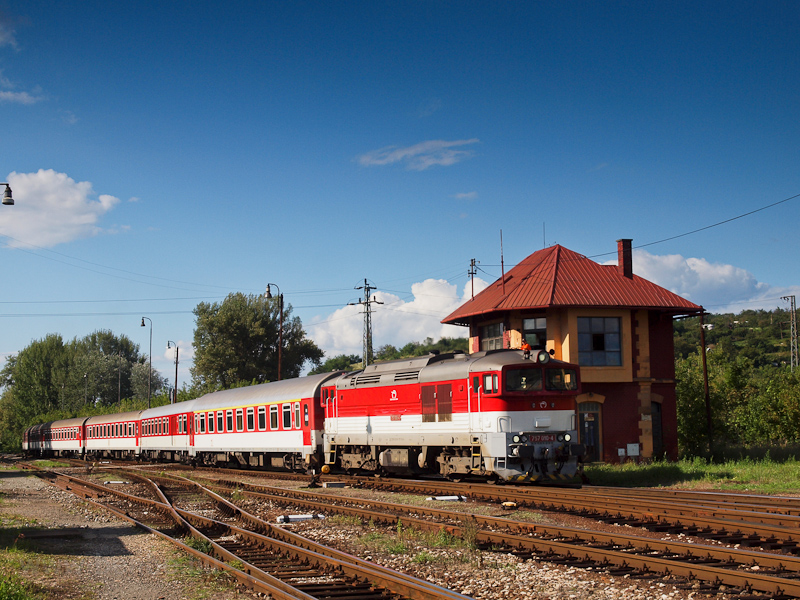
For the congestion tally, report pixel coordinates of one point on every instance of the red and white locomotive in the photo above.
(497, 415)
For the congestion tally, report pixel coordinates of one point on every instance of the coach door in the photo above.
(190, 425)
(329, 401)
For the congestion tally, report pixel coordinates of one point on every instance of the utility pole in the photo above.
(792, 330)
(175, 394)
(473, 270)
(367, 302)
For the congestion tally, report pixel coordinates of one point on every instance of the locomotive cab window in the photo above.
(561, 380)
(490, 383)
(523, 380)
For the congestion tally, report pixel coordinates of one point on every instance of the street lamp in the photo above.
(7, 199)
(268, 295)
(175, 395)
(149, 372)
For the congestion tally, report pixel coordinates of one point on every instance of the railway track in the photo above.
(749, 573)
(296, 568)
(619, 553)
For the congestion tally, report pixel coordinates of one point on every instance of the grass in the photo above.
(764, 476)
(50, 464)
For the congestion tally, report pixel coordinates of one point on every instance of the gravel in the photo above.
(97, 555)
(112, 560)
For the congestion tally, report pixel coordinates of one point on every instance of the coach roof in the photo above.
(276, 391)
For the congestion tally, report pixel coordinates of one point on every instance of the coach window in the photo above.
(297, 415)
(287, 416)
(229, 419)
(202, 423)
(211, 422)
(220, 422)
(262, 418)
(273, 416)
(305, 415)
(239, 419)
(251, 419)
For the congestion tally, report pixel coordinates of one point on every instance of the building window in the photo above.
(492, 337)
(534, 331)
(599, 342)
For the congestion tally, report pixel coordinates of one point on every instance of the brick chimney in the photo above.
(624, 258)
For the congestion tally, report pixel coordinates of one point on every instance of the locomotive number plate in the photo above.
(543, 437)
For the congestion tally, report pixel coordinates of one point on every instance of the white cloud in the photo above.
(51, 208)
(419, 156)
(19, 98)
(466, 196)
(396, 321)
(716, 286)
(7, 36)
(429, 107)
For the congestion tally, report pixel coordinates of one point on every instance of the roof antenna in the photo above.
(502, 267)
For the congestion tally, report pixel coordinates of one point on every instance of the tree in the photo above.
(237, 341)
(342, 362)
(50, 379)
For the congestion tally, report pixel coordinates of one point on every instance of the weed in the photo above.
(424, 557)
(345, 520)
(12, 588)
(203, 546)
(237, 564)
(397, 547)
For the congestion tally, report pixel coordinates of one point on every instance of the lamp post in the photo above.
(175, 394)
(268, 295)
(150, 371)
(7, 199)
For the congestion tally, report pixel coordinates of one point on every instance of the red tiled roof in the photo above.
(557, 276)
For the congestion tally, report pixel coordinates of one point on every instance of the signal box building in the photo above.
(615, 325)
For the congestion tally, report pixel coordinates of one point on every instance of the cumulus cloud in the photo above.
(718, 287)
(396, 321)
(419, 156)
(51, 208)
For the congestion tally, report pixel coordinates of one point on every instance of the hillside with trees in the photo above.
(754, 395)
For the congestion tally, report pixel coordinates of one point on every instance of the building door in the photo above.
(589, 424)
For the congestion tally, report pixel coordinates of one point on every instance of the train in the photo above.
(498, 415)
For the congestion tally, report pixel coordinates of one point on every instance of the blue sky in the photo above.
(167, 153)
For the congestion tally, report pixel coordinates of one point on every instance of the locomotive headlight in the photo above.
(567, 437)
(516, 439)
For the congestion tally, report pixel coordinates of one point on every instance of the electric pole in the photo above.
(473, 269)
(792, 330)
(367, 302)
